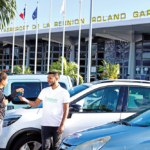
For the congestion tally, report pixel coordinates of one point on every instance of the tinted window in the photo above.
(63, 85)
(110, 99)
(31, 89)
(45, 84)
(10, 107)
(102, 100)
(75, 90)
(138, 99)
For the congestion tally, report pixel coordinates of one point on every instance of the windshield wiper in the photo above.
(28, 107)
(143, 125)
(118, 122)
(126, 123)
(122, 122)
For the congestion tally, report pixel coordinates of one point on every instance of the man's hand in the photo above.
(21, 90)
(60, 129)
(66, 109)
(32, 103)
(5, 101)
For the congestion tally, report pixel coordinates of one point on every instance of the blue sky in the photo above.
(100, 8)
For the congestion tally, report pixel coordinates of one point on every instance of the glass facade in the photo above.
(42, 55)
(6, 56)
(121, 53)
(142, 55)
(111, 50)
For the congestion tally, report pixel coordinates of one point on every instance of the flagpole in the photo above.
(49, 43)
(79, 43)
(24, 48)
(36, 41)
(12, 64)
(63, 40)
(90, 44)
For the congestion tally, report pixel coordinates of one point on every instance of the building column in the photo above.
(131, 64)
(72, 53)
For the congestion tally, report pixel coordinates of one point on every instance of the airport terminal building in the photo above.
(126, 42)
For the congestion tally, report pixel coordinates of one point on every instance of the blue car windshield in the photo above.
(141, 119)
(73, 91)
(77, 89)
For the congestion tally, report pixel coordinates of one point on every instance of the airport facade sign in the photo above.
(95, 19)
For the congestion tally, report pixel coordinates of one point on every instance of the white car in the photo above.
(32, 85)
(120, 99)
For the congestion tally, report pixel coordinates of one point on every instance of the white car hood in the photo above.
(21, 111)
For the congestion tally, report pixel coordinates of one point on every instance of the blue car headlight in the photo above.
(10, 120)
(93, 144)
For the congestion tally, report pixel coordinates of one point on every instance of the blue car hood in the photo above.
(95, 133)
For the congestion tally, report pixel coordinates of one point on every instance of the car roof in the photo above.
(120, 80)
(33, 76)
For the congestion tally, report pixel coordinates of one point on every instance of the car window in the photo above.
(10, 107)
(138, 99)
(31, 90)
(45, 84)
(101, 100)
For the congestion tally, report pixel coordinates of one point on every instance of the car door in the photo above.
(95, 108)
(136, 99)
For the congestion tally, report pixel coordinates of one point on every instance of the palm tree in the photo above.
(18, 70)
(69, 69)
(7, 12)
(109, 71)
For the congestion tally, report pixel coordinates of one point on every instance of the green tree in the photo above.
(7, 12)
(69, 69)
(109, 70)
(18, 70)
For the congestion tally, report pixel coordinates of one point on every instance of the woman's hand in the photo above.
(5, 101)
(21, 90)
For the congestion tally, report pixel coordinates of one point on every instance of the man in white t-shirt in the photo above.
(55, 111)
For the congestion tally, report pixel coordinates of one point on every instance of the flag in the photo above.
(62, 11)
(34, 16)
(22, 15)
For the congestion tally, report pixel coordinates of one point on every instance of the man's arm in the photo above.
(65, 115)
(32, 103)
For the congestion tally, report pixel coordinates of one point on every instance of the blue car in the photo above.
(132, 133)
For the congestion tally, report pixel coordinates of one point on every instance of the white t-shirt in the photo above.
(53, 105)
